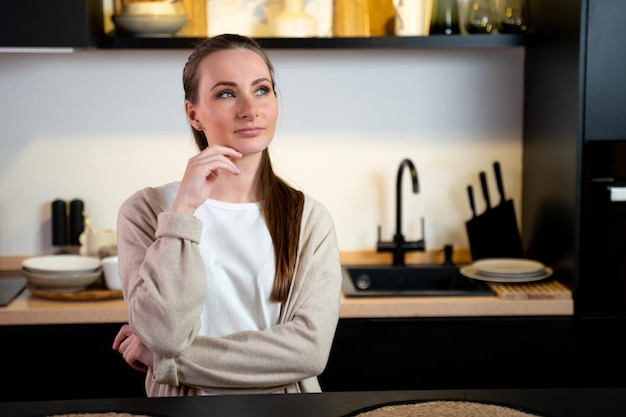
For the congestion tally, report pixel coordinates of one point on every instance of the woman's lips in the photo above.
(249, 131)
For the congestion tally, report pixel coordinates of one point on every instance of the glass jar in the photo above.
(480, 16)
(513, 16)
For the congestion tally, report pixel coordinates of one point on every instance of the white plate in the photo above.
(471, 272)
(61, 264)
(61, 283)
(510, 267)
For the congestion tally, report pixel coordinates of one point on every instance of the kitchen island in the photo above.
(553, 403)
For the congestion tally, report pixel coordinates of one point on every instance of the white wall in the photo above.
(99, 124)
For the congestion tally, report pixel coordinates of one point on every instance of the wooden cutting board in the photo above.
(92, 293)
(545, 290)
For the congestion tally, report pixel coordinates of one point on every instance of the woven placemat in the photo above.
(443, 409)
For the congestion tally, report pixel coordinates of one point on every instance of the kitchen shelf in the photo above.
(386, 42)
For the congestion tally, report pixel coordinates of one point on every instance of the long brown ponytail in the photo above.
(282, 205)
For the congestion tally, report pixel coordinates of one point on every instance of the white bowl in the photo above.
(61, 282)
(151, 7)
(150, 25)
(111, 270)
(61, 265)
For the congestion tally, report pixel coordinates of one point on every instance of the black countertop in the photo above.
(543, 402)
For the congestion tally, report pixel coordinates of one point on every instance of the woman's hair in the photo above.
(281, 204)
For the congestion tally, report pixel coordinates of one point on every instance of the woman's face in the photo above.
(237, 106)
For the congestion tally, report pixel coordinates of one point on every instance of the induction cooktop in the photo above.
(10, 288)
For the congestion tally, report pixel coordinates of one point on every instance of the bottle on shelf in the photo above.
(294, 22)
(480, 16)
(445, 18)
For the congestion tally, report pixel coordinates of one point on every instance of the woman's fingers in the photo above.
(122, 334)
(202, 170)
(217, 157)
(134, 352)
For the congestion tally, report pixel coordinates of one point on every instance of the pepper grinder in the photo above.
(76, 221)
(59, 223)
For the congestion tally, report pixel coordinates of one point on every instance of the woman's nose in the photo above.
(247, 108)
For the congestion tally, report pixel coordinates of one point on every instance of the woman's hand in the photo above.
(134, 352)
(200, 175)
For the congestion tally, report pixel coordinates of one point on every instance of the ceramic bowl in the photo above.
(149, 25)
(61, 265)
(61, 282)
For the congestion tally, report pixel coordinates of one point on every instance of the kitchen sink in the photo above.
(411, 280)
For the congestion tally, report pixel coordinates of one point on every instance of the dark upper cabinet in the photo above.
(45, 23)
(605, 79)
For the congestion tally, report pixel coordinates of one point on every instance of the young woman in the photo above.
(231, 277)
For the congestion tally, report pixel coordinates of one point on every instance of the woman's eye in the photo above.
(226, 94)
(262, 91)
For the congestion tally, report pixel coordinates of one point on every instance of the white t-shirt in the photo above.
(238, 255)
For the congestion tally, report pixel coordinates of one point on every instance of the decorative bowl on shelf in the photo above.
(155, 25)
(152, 7)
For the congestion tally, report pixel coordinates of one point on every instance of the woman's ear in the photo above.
(192, 116)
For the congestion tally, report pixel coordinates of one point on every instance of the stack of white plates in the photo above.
(63, 273)
(507, 270)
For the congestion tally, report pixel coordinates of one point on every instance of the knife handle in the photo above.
(470, 195)
(499, 181)
(483, 184)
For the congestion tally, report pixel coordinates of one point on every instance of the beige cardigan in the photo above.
(164, 287)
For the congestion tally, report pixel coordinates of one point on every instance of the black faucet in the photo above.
(399, 246)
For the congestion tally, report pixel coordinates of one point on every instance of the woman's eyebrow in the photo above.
(224, 83)
(234, 84)
(260, 80)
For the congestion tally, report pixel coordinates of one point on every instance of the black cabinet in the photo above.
(476, 352)
(45, 23)
(65, 361)
(75, 361)
(436, 353)
(605, 78)
(575, 148)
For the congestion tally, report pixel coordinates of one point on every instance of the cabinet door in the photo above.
(46, 23)
(605, 84)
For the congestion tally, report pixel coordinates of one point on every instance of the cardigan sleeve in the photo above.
(295, 349)
(161, 271)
